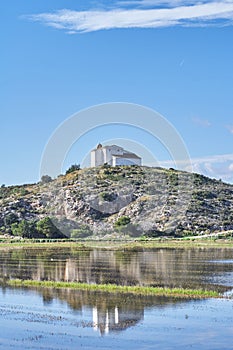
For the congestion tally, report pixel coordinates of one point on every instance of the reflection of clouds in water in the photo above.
(68, 321)
(149, 268)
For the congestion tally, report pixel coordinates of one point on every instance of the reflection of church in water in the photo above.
(115, 319)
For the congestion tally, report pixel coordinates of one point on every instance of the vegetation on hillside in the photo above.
(118, 202)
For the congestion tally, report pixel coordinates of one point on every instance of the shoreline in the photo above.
(118, 244)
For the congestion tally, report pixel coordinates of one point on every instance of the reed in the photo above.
(116, 245)
(113, 288)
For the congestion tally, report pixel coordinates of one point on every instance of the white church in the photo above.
(113, 155)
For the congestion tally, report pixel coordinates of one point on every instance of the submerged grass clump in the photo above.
(113, 288)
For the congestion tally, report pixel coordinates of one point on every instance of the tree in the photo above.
(48, 229)
(73, 168)
(25, 229)
(9, 219)
(46, 179)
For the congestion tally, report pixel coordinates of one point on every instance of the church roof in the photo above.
(113, 146)
(126, 155)
(100, 146)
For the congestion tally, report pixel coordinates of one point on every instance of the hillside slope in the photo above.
(123, 200)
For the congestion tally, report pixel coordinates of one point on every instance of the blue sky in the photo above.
(59, 57)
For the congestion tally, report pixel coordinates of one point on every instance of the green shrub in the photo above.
(46, 179)
(25, 229)
(73, 168)
(23, 192)
(154, 234)
(186, 233)
(82, 232)
(10, 219)
(108, 197)
(47, 228)
(131, 230)
(122, 221)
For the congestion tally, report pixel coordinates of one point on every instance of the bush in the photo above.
(106, 166)
(108, 197)
(46, 179)
(131, 230)
(47, 228)
(23, 192)
(122, 221)
(154, 234)
(73, 168)
(82, 232)
(25, 229)
(10, 219)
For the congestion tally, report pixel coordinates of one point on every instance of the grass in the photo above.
(113, 288)
(29, 243)
(131, 245)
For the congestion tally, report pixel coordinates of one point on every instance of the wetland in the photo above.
(37, 317)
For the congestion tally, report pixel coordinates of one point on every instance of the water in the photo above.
(71, 319)
(190, 268)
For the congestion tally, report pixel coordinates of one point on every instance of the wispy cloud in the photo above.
(230, 128)
(159, 3)
(170, 13)
(201, 122)
(217, 166)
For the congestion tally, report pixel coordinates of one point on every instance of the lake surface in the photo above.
(71, 319)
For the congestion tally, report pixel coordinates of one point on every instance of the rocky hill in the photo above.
(126, 200)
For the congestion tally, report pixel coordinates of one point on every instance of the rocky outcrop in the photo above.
(155, 201)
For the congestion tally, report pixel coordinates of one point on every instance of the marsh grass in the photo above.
(113, 288)
(131, 245)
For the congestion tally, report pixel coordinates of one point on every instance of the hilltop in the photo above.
(118, 201)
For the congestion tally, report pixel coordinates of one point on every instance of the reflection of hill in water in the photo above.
(160, 267)
(110, 312)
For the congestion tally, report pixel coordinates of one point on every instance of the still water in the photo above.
(69, 319)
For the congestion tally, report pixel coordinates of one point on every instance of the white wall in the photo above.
(126, 161)
(92, 158)
(97, 157)
(107, 156)
(103, 155)
(109, 151)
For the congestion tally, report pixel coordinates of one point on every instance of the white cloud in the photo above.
(209, 159)
(159, 3)
(230, 128)
(202, 122)
(182, 13)
(217, 166)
